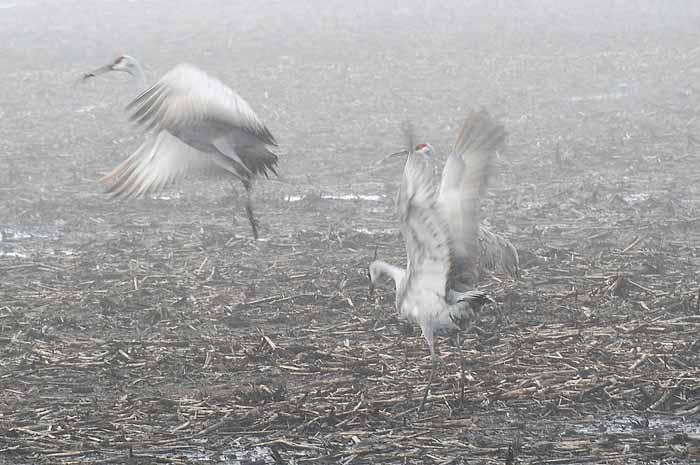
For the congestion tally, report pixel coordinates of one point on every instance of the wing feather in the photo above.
(496, 253)
(187, 95)
(464, 179)
(158, 162)
(424, 229)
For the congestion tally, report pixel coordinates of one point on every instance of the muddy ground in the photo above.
(157, 331)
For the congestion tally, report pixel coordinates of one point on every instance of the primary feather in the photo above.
(464, 180)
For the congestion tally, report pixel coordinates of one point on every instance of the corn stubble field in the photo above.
(157, 331)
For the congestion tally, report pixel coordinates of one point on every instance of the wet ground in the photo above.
(157, 331)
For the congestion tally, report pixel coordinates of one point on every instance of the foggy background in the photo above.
(334, 80)
(112, 308)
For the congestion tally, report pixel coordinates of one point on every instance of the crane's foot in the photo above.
(430, 382)
(427, 389)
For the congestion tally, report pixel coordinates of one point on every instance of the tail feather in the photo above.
(474, 298)
(258, 159)
(497, 254)
(464, 305)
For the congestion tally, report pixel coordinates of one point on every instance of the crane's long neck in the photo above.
(379, 268)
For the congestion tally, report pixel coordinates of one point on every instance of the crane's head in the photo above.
(379, 268)
(123, 63)
(425, 149)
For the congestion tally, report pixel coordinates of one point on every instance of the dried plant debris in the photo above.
(158, 331)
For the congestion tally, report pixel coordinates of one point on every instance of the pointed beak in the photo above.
(369, 273)
(398, 154)
(391, 156)
(101, 70)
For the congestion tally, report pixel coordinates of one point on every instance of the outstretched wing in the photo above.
(424, 229)
(158, 162)
(187, 97)
(464, 179)
(192, 111)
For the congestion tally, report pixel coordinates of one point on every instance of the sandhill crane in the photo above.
(495, 252)
(441, 231)
(199, 124)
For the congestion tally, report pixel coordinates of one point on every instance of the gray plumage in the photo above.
(198, 124)
(497, 254)
(441, 230)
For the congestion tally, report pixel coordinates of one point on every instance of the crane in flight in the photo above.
(198, 124)
(441, 230)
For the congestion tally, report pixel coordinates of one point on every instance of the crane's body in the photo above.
(441, 230)
(495, 254)
(198, 124)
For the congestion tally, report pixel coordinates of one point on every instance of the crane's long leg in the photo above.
(234, 200)
(461, 368)
(249, 209)
(251, 217)
(433, 361)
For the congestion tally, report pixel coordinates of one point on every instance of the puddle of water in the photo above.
(20, 243)
(635, 198)
(257, 454)
(626, 424)
(86, 109)
(598, 97)
(11, 254)
(376, 231)
(365, 197)
(532, 205)
(169, 197)
(239, 456)
(7, 235)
